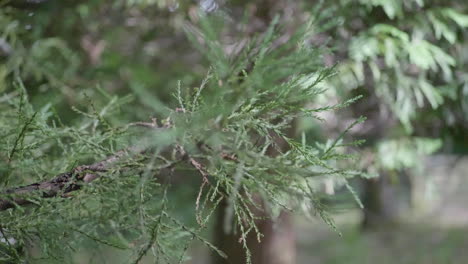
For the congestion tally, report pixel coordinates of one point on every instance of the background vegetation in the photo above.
(165, 131)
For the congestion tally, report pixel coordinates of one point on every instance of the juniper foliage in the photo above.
(102, 181)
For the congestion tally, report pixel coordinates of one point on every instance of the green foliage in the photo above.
(228, 137)
(408, 59)
(402, 52)
(406, 153)
(225, 96)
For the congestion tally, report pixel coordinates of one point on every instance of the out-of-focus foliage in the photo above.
(408, 58)
(401, 154)
(403, 51)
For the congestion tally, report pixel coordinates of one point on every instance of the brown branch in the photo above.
(73, 180)
(153, 124)
(64, 182)
(70, 181)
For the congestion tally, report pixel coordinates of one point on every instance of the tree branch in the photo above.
(73, 179)
(64, 182)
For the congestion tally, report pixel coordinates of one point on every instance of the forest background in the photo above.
(164, 131)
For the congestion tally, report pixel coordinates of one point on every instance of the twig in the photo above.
(64, 182)
(72, 180)
(153, 124)
(200, 168)
(21, 136)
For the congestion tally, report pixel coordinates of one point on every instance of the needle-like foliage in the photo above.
(151, 186)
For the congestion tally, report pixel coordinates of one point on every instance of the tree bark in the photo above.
(386, 200)
(277, 246)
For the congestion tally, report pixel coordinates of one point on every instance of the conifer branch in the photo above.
(64, 182)
(72, 180)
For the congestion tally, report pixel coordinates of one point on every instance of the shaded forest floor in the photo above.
(438, 237)
(423, 242)
(411, 243)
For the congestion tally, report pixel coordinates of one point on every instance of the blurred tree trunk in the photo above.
(278, 243)
(386, 200)
(277, 246)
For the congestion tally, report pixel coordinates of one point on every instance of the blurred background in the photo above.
(408, 58)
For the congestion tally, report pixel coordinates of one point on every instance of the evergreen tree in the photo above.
(113, 141)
